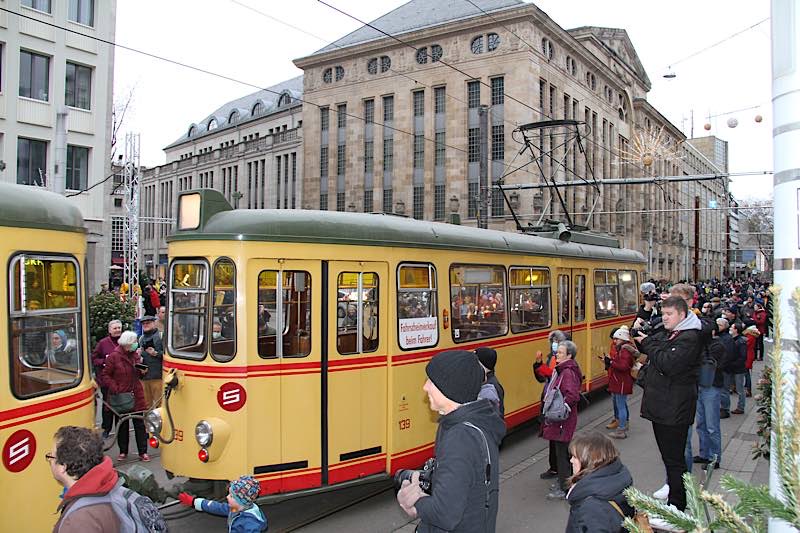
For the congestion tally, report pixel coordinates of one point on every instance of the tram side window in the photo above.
(357, 302)
(563, 298)
(45, 311)
(580, 298)
(628, 292)
(530, 299)
(418, 323)
(223, 316)
(284, 305)
(605, 293)
(477, 301)
(188, 309)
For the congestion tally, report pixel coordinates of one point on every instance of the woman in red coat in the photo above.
(752, 335)
(567, 377)
(620, 381)
(121, 376)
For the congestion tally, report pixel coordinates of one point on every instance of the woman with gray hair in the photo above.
(126, 393)
(567, 379)
(543, 371)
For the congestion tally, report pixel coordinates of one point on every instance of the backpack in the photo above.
(136, 513)
(555, 408)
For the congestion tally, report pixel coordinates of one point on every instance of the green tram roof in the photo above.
(25, 206)
(366, 229)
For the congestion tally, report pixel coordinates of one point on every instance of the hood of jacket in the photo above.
(248, 519)
(97, 481)
(482, 414)
(605, 483)
(690, 322)
(569, 365)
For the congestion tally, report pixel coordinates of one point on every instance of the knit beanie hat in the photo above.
(622, 334)
(487, 357)
(245, 490)
(63, 337)
(457, 374)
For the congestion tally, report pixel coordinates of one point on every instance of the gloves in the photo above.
(186, 499)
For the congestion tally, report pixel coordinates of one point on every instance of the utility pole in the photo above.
(695, 276)
(483, 207)
(131, 174)
(785, 19)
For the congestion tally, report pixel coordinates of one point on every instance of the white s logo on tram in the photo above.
(231, 396)
(19, 451)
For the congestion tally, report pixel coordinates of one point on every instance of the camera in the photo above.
(425, 475)
(647, 328)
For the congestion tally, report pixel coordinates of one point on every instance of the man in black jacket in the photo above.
(670, 388)
(465, 482)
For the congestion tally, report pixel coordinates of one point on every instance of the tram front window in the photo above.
(45, 310)
(188, 301)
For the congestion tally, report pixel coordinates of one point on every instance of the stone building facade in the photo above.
(249, 149)
(395, 127)
(55, 81)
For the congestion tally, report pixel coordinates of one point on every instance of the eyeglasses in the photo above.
(49, 457)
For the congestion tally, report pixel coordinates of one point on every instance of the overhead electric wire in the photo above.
(709, 47)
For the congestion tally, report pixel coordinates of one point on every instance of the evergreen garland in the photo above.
(763, 398)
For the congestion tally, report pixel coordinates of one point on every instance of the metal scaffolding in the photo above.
(131, 174)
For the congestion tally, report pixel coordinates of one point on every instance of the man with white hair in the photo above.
(104, 347)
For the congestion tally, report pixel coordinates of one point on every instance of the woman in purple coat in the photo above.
(568, 380)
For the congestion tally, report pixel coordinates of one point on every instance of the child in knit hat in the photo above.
(244, 516)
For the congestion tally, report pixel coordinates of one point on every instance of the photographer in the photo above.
(152, 350)
(670, 387)
(649, 313)
(465, 481)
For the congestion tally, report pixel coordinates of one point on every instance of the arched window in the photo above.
(258, 109)
(386, 63)
(422, 55)
(192, 131)
(493, 42)
(571, 67)
(285, 99)
(477, 45)
(372, 65)
(547, 48)
(436, 53)
(339, 73)
(591, 81)
(212, 124)
(233, 117)
(327, 75)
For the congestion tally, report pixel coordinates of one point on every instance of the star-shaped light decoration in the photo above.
(648, 145)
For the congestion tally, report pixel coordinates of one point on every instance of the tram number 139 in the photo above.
(404, 424)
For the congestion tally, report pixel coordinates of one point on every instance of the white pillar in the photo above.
(786, 192)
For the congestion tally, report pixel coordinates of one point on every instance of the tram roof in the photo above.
(366, 229)
(25, 206)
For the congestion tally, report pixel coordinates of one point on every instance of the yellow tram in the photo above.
(297, 340)
(45, 375)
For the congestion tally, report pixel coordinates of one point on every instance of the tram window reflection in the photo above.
(477, 301)
(530, 299)
(284, 305)
(223, 334)
(605, 293)
(418, 325)
(563, 299)
(580, 298)
(46, 353)
(188, 309)
(354, 291)
(628, 292)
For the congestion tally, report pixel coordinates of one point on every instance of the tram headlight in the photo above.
(203, 433)
(153, 421)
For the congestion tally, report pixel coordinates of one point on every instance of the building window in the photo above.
(31, 162)
(473, 145)
(372, 65)
(38, 5)
(477, 45)
(340, 160)
(340, 201)
(473, 94)
(339, 73)
(233, 118)
(368, 200)
(498, 91)
(323, 201)
(285, 99)
(79, 86)
(472, 200)
(492, 42)
(34, 75)
(386, 63)
(258, 109)
(422, 55)
(498, 203)
(388, 108)
(419, 151)
(323, 161)
(81, 11)
(591, 81)
(438, 202)
(419, 202)
(547, 48)
(212, 124)
(438, 100)
(436, 53)
(439, 153)
(324, 119)
(571, 67)
(341, 115)
(77, 167)
(498, 142)
(369, 156)
(419, 103)
(388, 156)
(369, 111)
(387, 200)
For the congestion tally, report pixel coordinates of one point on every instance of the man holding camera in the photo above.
(670, 387)
(152, 355)
(465, 481)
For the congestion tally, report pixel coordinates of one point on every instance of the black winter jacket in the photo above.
(458, 500)
(716, 350)
(738, 363)
(501, 393)
(670, 384)
(589, 507)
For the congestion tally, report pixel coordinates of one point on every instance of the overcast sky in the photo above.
(224, 37)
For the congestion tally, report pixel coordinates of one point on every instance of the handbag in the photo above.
(555, 408)
(122, 403)
(639, 518)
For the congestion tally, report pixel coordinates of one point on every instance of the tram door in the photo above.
(580, 329)
(287, 319)
(356, 376)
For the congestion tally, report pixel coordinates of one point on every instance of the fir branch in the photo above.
(654, 507)
(694, 505)
(726, 516)
(756, 501)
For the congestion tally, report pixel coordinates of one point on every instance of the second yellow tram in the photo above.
(297, 340)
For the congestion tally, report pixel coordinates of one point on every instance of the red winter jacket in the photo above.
(121, 376)
(751, 350)
(760, 318)
(570, 376)
(104, 347)
(93, 518)
(620, 380)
